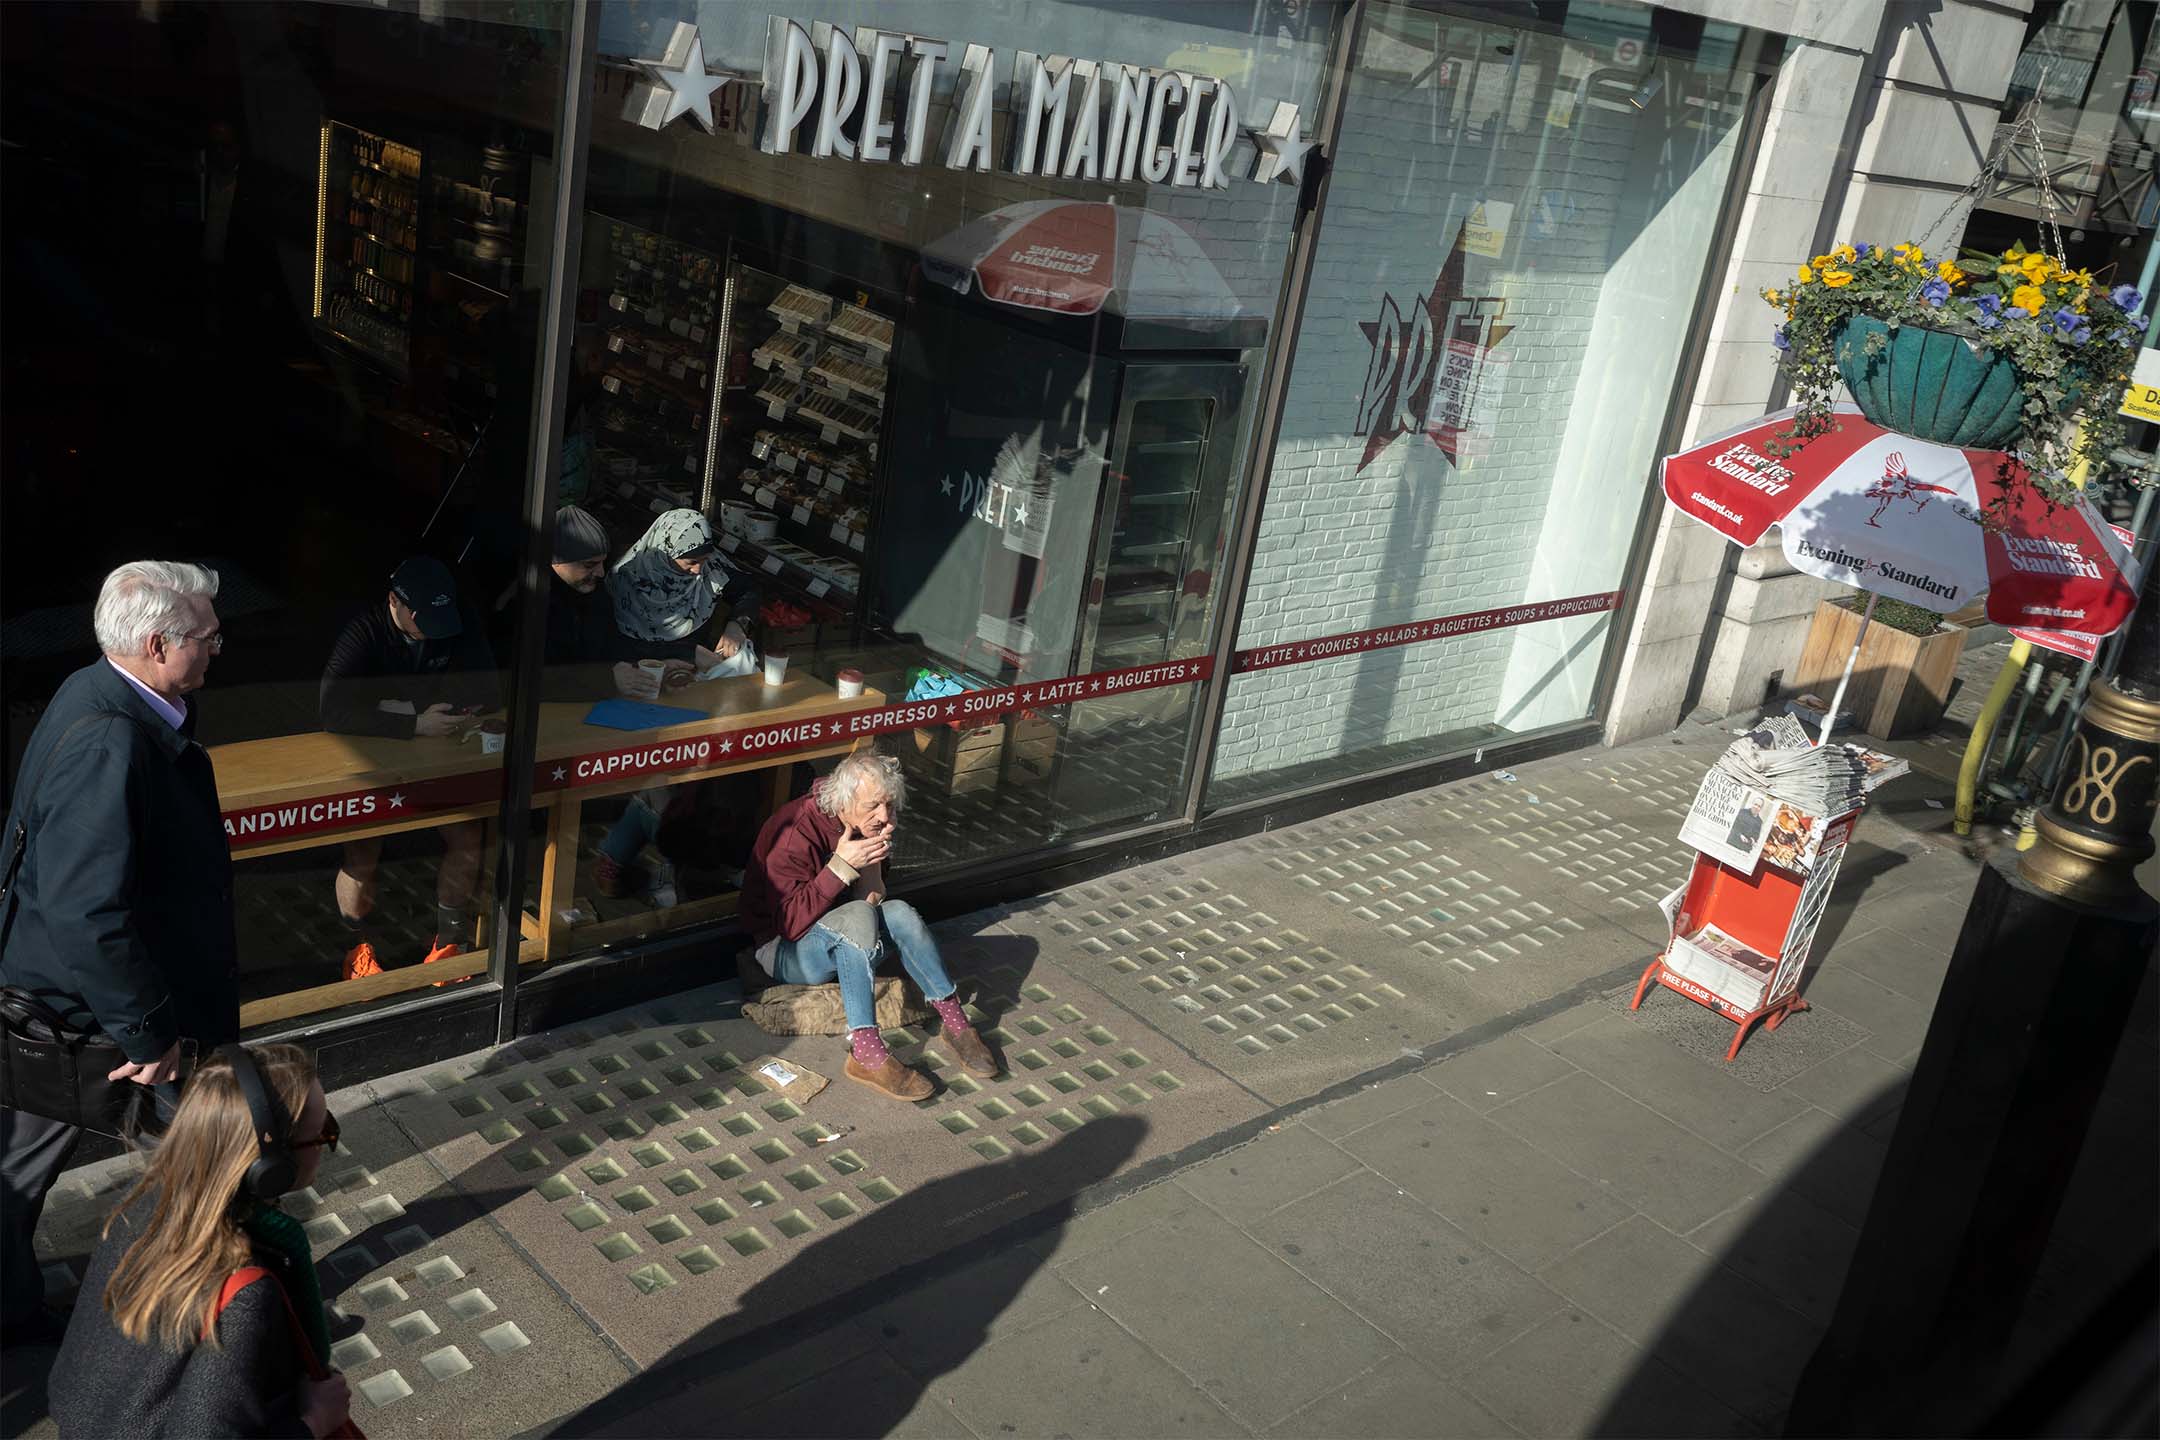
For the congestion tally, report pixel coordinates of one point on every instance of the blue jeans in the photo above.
(848, 942)
(638, 827)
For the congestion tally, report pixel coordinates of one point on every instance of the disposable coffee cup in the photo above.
(491, 742)
(775, 669)
(850, 683)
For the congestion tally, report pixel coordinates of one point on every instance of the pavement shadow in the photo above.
(699, 1389)
(1748, 1330)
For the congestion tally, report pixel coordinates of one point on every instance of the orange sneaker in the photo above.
(444, 951)
(360, 962)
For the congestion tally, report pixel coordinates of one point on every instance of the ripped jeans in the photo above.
(847, 943)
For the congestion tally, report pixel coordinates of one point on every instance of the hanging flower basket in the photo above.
(1930, 384)
(1988, 352)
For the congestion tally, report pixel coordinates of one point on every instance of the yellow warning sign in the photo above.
(2141, 401)
(1485, 232)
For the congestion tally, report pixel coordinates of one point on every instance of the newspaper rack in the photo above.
(1740, 929)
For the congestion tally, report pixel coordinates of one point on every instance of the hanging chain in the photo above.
(2026, 128)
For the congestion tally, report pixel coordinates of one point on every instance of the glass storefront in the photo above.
(1517, 231)
(925, 364)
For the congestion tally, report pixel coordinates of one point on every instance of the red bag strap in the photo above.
(247, 1275)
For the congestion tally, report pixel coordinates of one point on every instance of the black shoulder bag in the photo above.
(52, 1063)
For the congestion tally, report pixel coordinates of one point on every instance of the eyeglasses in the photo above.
(215, 640)
(328, 1139)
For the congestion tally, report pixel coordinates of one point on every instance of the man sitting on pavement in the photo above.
(411, 666)
(814, 901)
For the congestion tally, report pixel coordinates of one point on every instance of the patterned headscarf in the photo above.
(653, 599)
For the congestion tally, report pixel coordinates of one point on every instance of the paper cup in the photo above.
(491, 742)
(775, 669)
(849, 683)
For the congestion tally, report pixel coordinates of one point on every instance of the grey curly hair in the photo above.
(880, 773)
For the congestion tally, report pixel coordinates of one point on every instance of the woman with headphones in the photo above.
(201, 1313)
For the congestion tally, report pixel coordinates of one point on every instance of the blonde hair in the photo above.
(165, 1286)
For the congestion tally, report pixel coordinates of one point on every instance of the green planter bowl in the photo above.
(1930, 384)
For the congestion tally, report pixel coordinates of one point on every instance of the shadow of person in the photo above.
(933, 1312)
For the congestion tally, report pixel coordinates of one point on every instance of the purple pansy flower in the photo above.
(1777, 338)
(1863, 250)
(2016, 312)
(2126, 298)
(1990, 316)
(2071, 326)
(1936, 291)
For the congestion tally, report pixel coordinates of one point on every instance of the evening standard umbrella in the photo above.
(1069, 256)
(1901, 517)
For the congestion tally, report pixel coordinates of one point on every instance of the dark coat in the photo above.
(789, 882)
(584, 645)
(123, 907)
(372, 662)
(103, 1383)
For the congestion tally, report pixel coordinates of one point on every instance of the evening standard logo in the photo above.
(2040, 556)
(1052, 257)
(1832, 555)
(1752, 468)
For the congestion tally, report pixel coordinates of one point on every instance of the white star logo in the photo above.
(726, 745)
(677, 84)
(397, 802)
(1094, 686)
(945, 484)
(952, 709)
(560, 772)
(1020, 514)
(1278, 151)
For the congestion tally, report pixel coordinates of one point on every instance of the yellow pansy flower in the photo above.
(1845, 254)
(2037, 267)
(1949, 271)
(1807, 274)
(1835, 278)
(2029, 298)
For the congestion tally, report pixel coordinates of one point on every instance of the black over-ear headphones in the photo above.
(274, 1169)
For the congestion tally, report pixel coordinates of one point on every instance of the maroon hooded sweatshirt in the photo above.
(789, 882)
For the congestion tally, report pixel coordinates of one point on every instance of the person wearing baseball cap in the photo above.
(414, 665)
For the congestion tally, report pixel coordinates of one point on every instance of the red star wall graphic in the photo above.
(1436, 352)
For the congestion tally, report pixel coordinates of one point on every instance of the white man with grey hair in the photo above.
(118, 904)
(814, 900)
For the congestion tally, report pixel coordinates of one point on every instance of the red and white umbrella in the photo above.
(1899, 517)
(1070, 256)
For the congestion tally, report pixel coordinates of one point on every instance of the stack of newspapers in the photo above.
(1777, 758)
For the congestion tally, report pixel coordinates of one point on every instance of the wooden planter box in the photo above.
(1900, 684)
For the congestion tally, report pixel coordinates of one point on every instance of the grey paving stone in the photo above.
(1252, 1356)
(1697, 1095)
(1783, 1151)
(1372, 1104)
(1897, 959)
(1504, 1192)
(1244, 1184)
(1787, 1244)
(1713, 1325)
(1112, 1224)
(1398, 1397)
(1431, 1288)
(937, 1324)
(1647, 1160)
(867, 1396)
(1497, 1072)
(1841, 1174)
(1858, 1084)
(1079, 1375)
(1566, 1022)
(1574, 1375)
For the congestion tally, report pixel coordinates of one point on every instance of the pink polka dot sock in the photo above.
(949, 1011)
(868, 1047)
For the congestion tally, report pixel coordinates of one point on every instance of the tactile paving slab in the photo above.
(678, 1202)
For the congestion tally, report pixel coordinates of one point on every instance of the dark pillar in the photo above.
(2055, 945)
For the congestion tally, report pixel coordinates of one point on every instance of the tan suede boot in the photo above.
(892, 1078)
(968, 1048)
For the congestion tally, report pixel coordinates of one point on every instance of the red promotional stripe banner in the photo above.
(1330, 647)
(353, 809)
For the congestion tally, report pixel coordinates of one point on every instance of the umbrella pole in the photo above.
(1829, 723)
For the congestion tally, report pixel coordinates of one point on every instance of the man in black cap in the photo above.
(412, 666)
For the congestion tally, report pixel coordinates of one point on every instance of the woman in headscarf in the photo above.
(667, 585)
(666, 588)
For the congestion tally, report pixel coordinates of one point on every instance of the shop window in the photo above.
(1517, 226)
(955, 428)
(273, 300)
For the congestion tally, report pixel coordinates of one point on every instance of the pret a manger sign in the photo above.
(867, 97)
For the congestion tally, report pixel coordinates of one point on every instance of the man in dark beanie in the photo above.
(587, 656)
